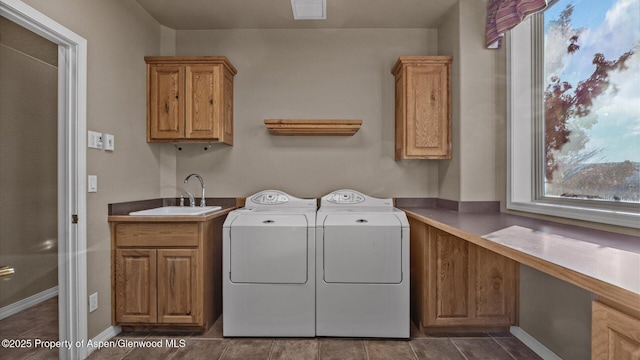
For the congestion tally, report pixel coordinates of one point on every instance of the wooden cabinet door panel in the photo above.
(614, 334)
(449, 267)
(494, 287)
(203, 102)
(135, 286)
(178, 286)
(423, 107)
(166, 112)
(427, 118)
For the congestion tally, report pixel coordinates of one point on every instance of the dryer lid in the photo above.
(362, 219)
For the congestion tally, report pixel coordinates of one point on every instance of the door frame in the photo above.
(72, 237)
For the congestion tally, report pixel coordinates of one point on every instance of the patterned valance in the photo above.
(503, 15)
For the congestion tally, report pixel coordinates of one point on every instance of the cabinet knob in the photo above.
(211, 101)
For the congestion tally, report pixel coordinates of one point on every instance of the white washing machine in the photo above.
(362, 267)
(268, 267)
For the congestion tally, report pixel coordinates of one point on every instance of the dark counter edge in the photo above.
(124, 208)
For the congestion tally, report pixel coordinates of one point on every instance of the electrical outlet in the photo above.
(93, 302)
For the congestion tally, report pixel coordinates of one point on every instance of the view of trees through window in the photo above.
(592, 100)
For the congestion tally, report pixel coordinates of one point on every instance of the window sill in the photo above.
(612, 217)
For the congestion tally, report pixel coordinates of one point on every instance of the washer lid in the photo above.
(270, 219)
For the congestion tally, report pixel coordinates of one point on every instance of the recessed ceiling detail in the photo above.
(277, 14)
(309, 9)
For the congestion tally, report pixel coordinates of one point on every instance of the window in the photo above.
(574, 112)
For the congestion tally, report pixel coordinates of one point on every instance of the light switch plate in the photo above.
(92, 183)
(94, 140)
(93, 302)
(109, 142)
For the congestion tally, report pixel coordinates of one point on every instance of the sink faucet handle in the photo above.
(181, 200)
(192, 201)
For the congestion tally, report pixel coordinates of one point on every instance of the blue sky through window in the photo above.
(611, 27)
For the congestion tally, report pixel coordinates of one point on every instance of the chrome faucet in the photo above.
(202, 201)
(192, 202)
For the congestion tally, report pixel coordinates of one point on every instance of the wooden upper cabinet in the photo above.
(423, 107)
(189, 99)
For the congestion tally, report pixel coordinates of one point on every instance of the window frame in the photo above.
(525, 137)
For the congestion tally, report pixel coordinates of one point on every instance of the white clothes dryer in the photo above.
(362, 267)
(268, 267)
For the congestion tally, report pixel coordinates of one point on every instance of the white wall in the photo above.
(310, 74)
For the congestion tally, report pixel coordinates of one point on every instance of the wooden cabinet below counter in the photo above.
(614, 334)
(167, 274)
(459, 286)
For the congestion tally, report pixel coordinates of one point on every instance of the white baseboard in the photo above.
(104, 336)
(24, 304)
(533, 344)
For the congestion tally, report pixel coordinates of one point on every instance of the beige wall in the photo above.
(28, 172)
(307, 74)
(470, 174)
(119, 34)
(449, 44)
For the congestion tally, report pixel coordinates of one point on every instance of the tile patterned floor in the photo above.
(38, 323)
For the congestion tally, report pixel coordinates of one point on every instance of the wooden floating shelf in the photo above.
(294, 127)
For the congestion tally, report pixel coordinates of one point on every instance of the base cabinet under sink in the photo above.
(167, 274)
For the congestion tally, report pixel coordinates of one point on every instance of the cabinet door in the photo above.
(166, 110)
(614, 334)
(136, 286)
(203, 102)
(178, 287)
(449, 279)
(495, 287)
(469, 285)
(427, 111)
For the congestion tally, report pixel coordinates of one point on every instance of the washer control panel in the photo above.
(270, 198)
(345, 197)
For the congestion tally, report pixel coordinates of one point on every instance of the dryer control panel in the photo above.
(346, 197)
